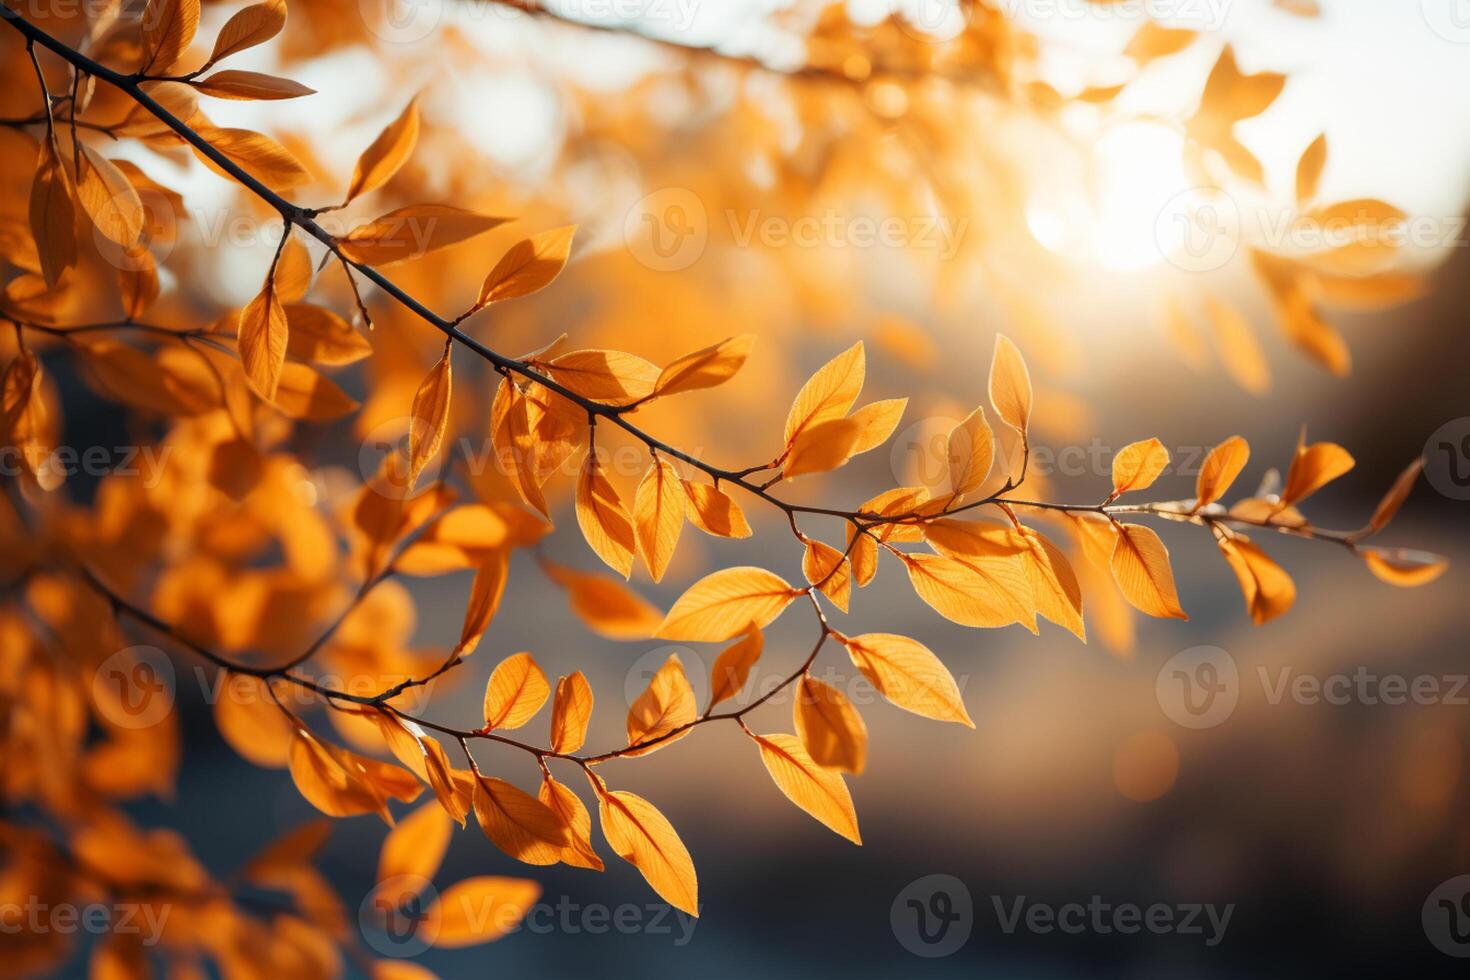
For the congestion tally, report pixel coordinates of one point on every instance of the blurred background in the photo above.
(1321, 829)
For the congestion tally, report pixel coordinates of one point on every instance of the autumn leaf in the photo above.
(732, 666)
(643, 837)
(380, 161)
(571, 710)
(608, 607)
(1010, 385)
(724, 603)
(168, 28)
(705, 368)
(1268, 590)
(248, 27)
(603, 518)
(485, 595)
(1054, 584)
(517, 822)
(665, 706)
(823, 446)
(714, 511)
(413, 232)
(478, 910)
(830, 728)
(828, 395)
(516, 691)
(413, 850)
(985, 591)
(262, 337)
(658, 516)
(1219, 470)
(577, 821)
(827, 569)
(317, 334)
(529, 266)
(1389, 506)
(908, 674)
(1137, 466)
(1141, 568)
(1404, 567)
(1312, 468)
(429, 417)
(817, 790)
(1309, 169)
(969, 451)
(250, 86)
(53, 215)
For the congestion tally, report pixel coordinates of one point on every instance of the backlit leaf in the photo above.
(1141, 568)
(603, 518)
(725, 603)
(908, 674)
(658, 516)
(643, 837)
(817, 790)
(478, 910)
(829, 727)
(705, 368)
(516, 691)
(1010, 385)
(530, 265)
(1219, 470)
(1138, 465)
(381, 160)
(571, 711)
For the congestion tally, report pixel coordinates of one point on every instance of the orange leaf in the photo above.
(1010, 385)
(485, 593)
(826, 568)
(262, 337)
(603, 518)
(1404, 567)
(1137, 466)
(1309, 169)
(479, 910)
(1389, 506)
(413, 232)
(606, 605)
(250, 86)
(907, 673)
(714, 511)
(643, 837)
(665, 706)
(530, 265)
(578, 822)
(516, 691)
(988, 592)
(380, 161)
(705, 368)
(828, 394)
(53, 215)
(571, 711)
(725, 603)
(822, 446)
(248, 27)
(819, 791)
(970, 451)
(1312, 468)
(415, 848)
(658, 516)
(429, 417)
(518, 823)
(1219, 470)
(1268, 590)
(1141, 568)
(829, 727)
(732, 667)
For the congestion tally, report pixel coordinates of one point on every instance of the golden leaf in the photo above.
(516, 691)
(606, 605)
(970, 451)
(109, 199)
(1219, 470)
(317, 334)
(643, 837)
(876, 422)
(989, 592)
(380, 161)
(1010, 385)
(822, 446)
(478, 910)
(815, 789)
(732, 666)
(252, 725)
(714, 511)
(1141, 568)
(658, 516)
(530, 265)
(578, 822)
(908, 674)
(414, 849)
(257, 154)
(705, 368)
(1389, 506)
(608, 376)
(665, 706)
(829, 727)
(485, 593)
(1403, 566)
(517, 822)
(1309, 169)
(302, 393)
(571, 711)
(429, 417)
(1054, 584)
(725, 603)
(828, 394)
(168, 30)
(1239, 350)
(1312, 468)
(53, 216)
(250, 86)
(262, 338)
(413, 232)
(826, 568)
(603, 518)
(965, 540)
(1137, 466)
(1268, 590)
(248, 27)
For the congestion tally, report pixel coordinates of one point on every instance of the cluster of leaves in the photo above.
(231, 557)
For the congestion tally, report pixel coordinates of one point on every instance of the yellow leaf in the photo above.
(1231, 96)
(257, 154)
(1010, 385)
(516, 691)
(53, 216)
(732, 666)
(1309, 169)
(658, 516)
(665, 706)
(829, 727)
(252, 725)
(606, 605)
(989, 592)
(876, 422)
(1268, 590)
(414, 849)
(109, 199)
(380, 161)
(530, 265)
(425, 758)
(603, 518)
(429, 417)
(714, 511)
(608, 376)
(263, 334)
(574, 816)
(571, 711)
(1219, 470)
(1054, 584)
(643, 837)
(485, 593)
(725, 603)
(1141, 568)
(1312, 468)
(705, 368)
(1137, 466)
(817, 790)
(823, 446)
(413, 232)
(826, 568)
(973, 539)
(518, 823)
(249, 86)
(248, 27)
(318, 334)
(1238, 347)
(168, 29)
(479, 910)
(908, 674)
(465, 537)
(1404, 567)
(970, 451)
(302, 393)
(1389, 506)
(828, 394)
